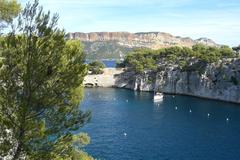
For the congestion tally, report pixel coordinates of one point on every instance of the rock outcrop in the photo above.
(218, 81)
(107, 79)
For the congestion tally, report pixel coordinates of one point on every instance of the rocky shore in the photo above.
(107, 79)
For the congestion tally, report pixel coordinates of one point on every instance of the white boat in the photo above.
(158, 97)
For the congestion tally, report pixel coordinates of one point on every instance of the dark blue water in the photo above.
(108, 63)
(160, 132)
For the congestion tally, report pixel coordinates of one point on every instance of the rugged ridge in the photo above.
(117, 44)
(153, 40)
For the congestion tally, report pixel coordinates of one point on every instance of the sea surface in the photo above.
(128, 125)
(107, 63)
(110, 63)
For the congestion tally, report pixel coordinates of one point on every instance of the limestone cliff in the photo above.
(105, 45)
(219, 81)
(152, 40)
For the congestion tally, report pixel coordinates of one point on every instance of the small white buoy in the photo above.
(125, 134)
(127, 100)
(173, 96)
(208, 114)
(227, 119)
(190, 111)
(176, 108)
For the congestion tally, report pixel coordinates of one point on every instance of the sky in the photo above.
(215, 19)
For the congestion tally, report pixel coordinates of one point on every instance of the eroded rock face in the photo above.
(154, 40)
(218, 81)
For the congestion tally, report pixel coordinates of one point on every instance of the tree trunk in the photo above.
(19, 147)
(17, 153)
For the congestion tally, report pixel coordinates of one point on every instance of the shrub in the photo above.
(96, 67)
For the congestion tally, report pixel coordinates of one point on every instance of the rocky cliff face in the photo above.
(116, 44)
(218, 81)
(153, 40)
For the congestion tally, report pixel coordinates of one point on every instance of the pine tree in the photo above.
(9, 9)
(41, 77)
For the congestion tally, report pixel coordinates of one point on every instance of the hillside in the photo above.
(114, 45)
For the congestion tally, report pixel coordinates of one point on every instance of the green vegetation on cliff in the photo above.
(104, 50)
(141, 60)
(96, 67)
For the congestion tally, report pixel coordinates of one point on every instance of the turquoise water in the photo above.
(179, 128)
